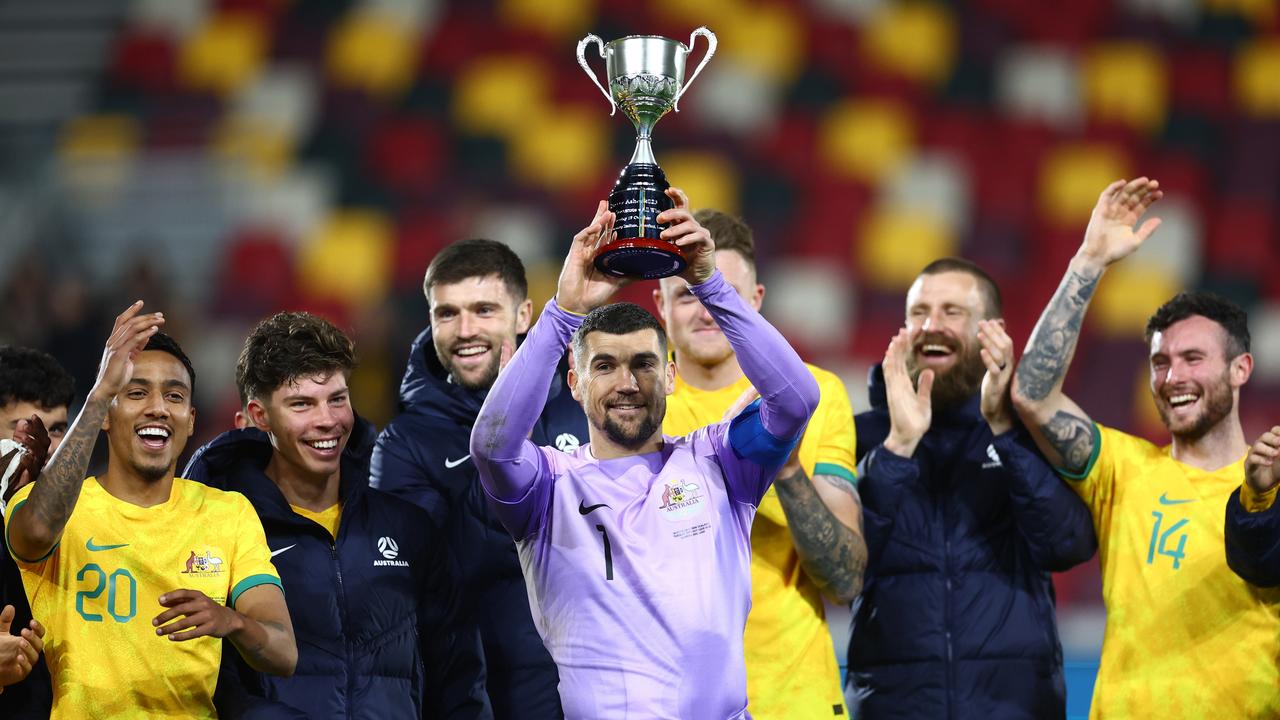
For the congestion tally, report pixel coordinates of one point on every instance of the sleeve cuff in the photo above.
(1088, 466)
(1253, 501)
(252, 581)
(839, 471)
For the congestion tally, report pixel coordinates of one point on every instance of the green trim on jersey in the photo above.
(9, 525)
(839, 471)
(1093, 459)
(250, 582)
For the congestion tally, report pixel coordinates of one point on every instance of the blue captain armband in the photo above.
(751, 441)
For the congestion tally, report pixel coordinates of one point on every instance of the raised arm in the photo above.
(1061, 429)
(788, 392)
(36, 525)
(508, 463)
(1050, 517)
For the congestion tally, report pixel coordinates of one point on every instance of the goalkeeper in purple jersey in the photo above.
(636, 547)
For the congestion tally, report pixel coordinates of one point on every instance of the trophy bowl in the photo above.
(646, 80)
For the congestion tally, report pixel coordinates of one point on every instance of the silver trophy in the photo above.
(646, 79)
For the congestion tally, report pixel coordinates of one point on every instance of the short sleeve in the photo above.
(832, 426)
(252, 565)
(1096, 485)
(19, 498)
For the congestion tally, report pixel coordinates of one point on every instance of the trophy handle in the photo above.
(711, 50)
(582, 60)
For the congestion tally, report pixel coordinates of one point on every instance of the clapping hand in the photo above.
(910, 408)
(1262, 466)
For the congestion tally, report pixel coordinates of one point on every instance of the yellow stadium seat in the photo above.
(1126, 82)
(1259, 12)
(502, 94)
(1129, 296)
(766, 39)
(710, 180)
(561, 19)
(261, 148)
(916, 40)
(893, 245)
(1257, 78)
(1071, 179)
(224, 54)
(867, 140)
(349, 259)
(99, 137)
(372, 53)
(561, 149)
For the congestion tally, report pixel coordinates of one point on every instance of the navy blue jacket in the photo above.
(423, 456)
(956, 618)
(1253, 542)
(372, 610)
(33, 697)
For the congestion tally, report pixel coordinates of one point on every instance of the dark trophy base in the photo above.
(637, 199)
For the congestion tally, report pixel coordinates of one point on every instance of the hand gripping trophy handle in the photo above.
(582, 60)
(700, 32)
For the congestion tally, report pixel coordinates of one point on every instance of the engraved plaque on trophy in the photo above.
(646, 79)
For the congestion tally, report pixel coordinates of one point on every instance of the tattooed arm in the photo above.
(36, 525)
(1061, 429)
(825, 519)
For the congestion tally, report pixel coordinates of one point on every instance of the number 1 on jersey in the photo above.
(608, 554)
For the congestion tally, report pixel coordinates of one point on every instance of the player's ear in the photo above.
(191, 422)
(258, 414)
(671, 377)
(1241, 368)
(524, 316)
(657, 303)
(573, 380)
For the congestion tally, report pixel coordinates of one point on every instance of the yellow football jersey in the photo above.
(1185, 637)
(791, 663)
(99, 588)
(327, 518)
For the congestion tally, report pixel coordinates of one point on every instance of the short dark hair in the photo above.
(165, 343)
(617, 319)
(1229, 315)
(995, 304)
(729, 232)
(288, 346)
(28, 375)
(477, 257)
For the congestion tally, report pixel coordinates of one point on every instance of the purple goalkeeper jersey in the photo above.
(638, 568)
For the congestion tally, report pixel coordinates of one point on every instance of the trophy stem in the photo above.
(644, 151)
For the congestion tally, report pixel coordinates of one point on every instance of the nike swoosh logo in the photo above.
(277, 552)
(1164, 500)
(451, 464)
(95, 548)
(584, 508)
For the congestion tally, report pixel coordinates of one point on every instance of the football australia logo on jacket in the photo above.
(389, 550)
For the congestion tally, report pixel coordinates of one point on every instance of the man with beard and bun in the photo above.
(477, 299)
(370, 586)
(637, 547)
(964, 522)
(806, 541)
(141, 582)
(1185, 636)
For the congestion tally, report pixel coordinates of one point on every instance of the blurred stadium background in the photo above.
(223, 159)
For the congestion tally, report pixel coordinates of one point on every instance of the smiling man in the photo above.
(964, 522)
(134, 627)
(1185, 636)
(368, 580)
(636, 547)
(477, 300)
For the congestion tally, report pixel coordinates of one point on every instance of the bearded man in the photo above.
(964, 521)
(1186, 636)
